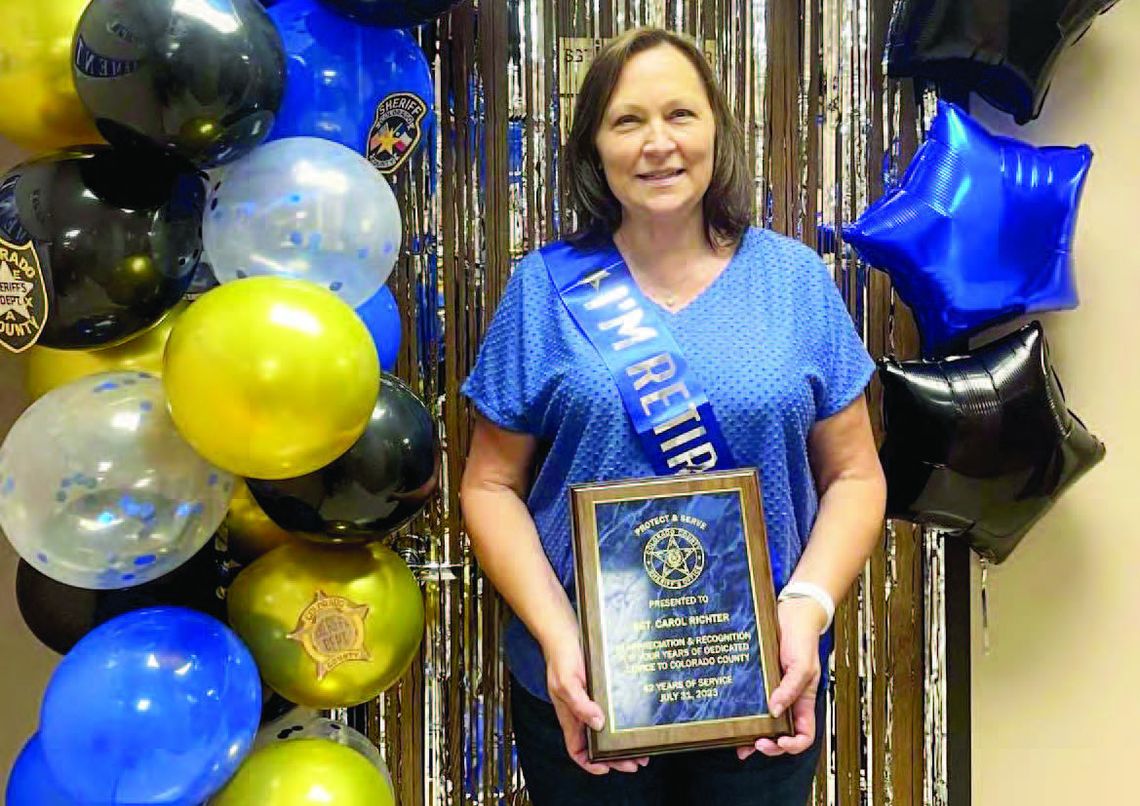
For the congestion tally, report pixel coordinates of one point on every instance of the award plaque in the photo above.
(677, 611)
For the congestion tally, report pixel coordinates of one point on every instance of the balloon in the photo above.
(1004, 50)
(982, 445)
(48, 369)
(381, 316)
(366, 88)
(270, 378)
(308, 209)
(274, 706)
(203, 281)
(155, 706)
(41, 110)
(31, 783)
(979, 231)
(330, 627)
(104, 243)
(199, 79)
(304, 723)
(393, 13)
(378, 485)
(249, 531)
(59, 615)
(97, 488)
(308, 772)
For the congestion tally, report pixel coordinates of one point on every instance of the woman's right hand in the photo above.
(566, 682)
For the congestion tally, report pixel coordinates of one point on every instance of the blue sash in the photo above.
(666, 404)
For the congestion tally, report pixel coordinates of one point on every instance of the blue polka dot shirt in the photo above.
(770, 341)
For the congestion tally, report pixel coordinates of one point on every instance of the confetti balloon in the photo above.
(307, 209)
(98, 489)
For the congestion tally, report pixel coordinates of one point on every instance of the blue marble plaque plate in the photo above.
(677, 609)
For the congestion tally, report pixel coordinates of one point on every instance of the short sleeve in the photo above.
(506, 384)
(842, 364)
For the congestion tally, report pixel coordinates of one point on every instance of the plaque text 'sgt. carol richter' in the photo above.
(677, 612)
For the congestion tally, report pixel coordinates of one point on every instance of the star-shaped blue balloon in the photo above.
(978, 231)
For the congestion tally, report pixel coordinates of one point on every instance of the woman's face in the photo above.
(657, 136)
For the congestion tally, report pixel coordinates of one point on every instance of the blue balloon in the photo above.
(979, 230)
(369, 89)
(31, 782)
(158, 706)
(382, 317)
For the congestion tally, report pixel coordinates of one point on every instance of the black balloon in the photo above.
(1004, 50)
(59, 615)
(392, 13)
(981, 445)
(382, 482)
(273, 705)
(200, 79)
(116, 234)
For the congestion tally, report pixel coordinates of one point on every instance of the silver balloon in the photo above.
(308, 209)
(305, 723)
(98, 489)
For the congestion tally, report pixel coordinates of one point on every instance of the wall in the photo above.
(1055, 710)
(24, 663)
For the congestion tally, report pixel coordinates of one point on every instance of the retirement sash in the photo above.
(665, 403)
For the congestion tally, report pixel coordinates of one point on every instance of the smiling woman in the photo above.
(661, 192)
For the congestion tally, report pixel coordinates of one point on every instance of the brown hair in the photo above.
(727, 204)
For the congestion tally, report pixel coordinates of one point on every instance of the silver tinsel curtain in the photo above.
(826, 132)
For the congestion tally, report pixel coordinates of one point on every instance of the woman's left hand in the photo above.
(800, 623)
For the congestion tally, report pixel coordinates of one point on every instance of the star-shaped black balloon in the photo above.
(1004, 50)
(981, 445)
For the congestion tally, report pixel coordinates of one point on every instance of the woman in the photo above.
(657, 171)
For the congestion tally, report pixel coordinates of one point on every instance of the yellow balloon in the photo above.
(306, 772)
(41, 110)
(249, 531)
(48, 368)
(329, 626)
(271, 378)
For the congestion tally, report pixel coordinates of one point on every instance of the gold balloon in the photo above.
(41, 110)
(249, 531)
(306, 772)
(271, 378)
(329, 626)
(48, 368)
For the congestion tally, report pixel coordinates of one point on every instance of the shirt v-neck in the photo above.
(700, 294)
